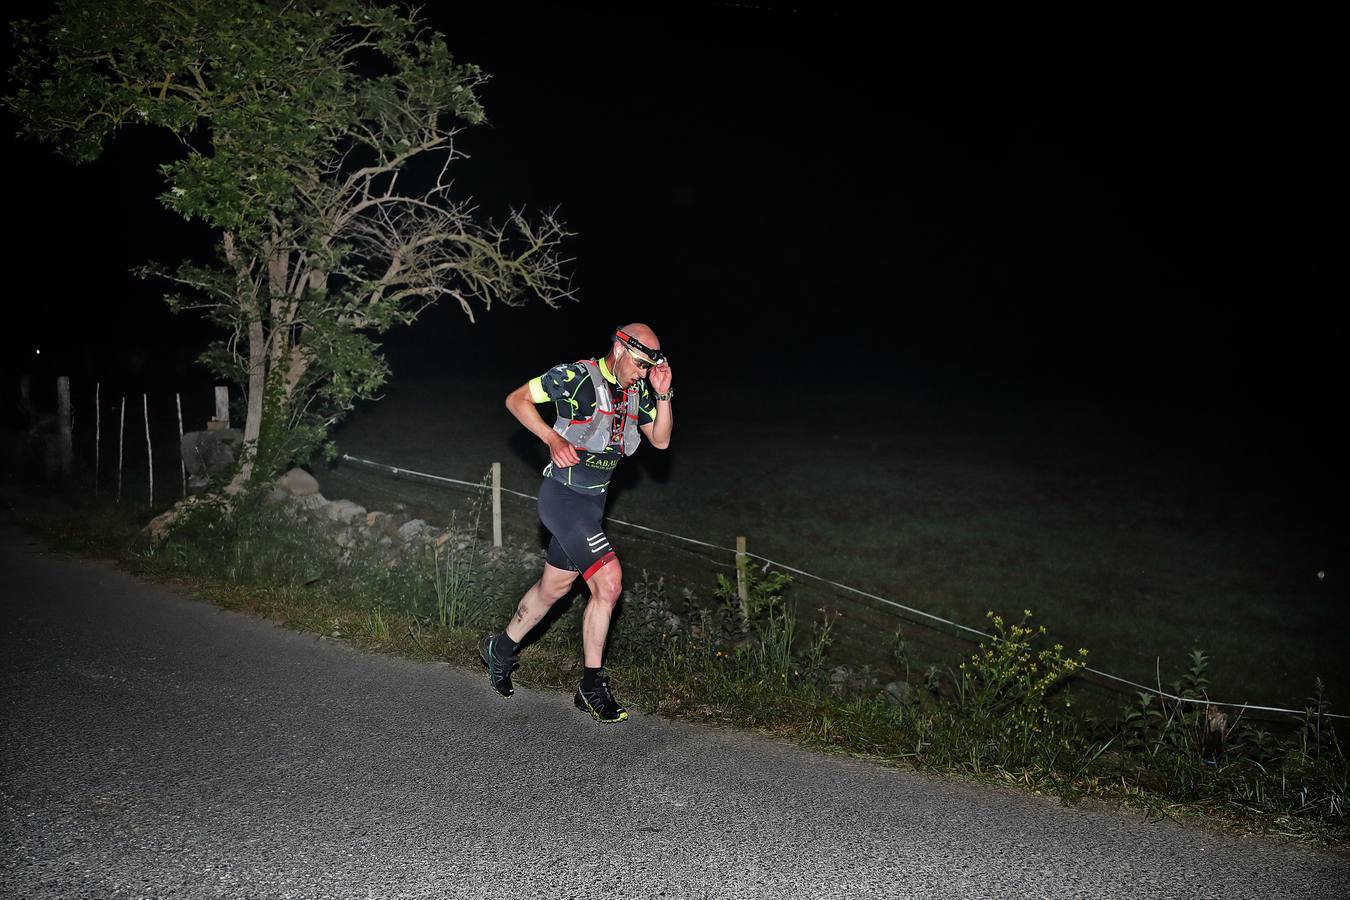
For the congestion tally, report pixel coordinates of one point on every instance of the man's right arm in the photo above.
(521, 404)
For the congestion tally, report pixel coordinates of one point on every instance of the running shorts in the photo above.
(576, 523)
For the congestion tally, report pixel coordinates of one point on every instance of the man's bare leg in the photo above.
(606, 585)
(539, 599)
(593, 695)
(498, 651)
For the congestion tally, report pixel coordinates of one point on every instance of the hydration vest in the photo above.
(593, 432)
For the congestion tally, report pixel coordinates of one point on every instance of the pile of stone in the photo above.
(394, 537)
(847, 682)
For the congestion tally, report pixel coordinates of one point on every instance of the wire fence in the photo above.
(127, 438)
(957, 629)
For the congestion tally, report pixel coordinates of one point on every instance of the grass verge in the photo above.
(1004, 714)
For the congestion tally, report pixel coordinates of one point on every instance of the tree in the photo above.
(318, 137)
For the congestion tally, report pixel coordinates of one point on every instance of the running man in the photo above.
(603, 408)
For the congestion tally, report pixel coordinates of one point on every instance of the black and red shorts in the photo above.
(576, 522)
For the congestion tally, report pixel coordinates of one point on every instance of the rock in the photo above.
(298, 483)
(389, 523)
(844, 681)
(275, 495)
(312, 502)
(345, 511)
(901, 693)
(158, 527)
(208, 452)
(411, 530)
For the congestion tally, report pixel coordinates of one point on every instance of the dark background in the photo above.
(1134, 219)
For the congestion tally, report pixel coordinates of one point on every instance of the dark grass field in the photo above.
(1138, 544)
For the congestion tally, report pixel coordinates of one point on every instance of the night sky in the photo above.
(1138, 218)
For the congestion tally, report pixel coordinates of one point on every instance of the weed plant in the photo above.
(646, 618)
(457, 579)
(1006, 695)
(1187, 750)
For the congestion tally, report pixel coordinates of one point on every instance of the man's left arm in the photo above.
(658, 431)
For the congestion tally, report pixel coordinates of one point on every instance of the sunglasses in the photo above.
(649, 357)
(644, 365)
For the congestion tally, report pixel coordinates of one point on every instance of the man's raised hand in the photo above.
(660, 377)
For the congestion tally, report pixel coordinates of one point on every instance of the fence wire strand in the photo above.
(964, 629)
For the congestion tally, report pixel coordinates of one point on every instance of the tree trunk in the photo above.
(257, 373)
(257, 386)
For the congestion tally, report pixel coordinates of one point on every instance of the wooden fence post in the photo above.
(26, 402)
(742, 582)
(121, 440)
(98, 432)
(149, 452)
(222, 419)
(67, 452)
(178, 403)
(496, 504)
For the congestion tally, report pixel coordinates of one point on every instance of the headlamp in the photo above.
(656, 356)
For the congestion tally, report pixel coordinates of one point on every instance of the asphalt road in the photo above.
(156, 746)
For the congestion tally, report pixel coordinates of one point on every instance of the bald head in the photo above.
(643, 333)
(635, 352)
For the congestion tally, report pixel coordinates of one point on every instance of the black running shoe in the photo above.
(599, 702)
(498, 665)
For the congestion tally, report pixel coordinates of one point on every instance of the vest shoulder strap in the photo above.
(604, 403)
